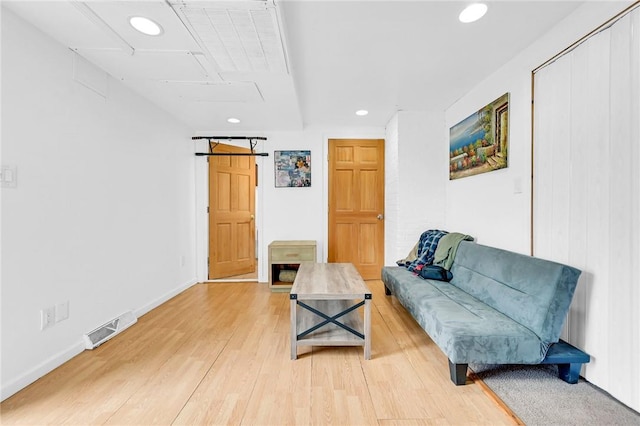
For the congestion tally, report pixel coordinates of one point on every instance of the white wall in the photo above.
(294, 213)
(495, 207)
(415, 179)
(490, 207)
(392, 238)
(103, 211)
(102, 215)
(282, 213)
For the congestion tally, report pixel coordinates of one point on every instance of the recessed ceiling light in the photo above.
(362, 112)
(473, 12)
(233, 120)
(145, 25)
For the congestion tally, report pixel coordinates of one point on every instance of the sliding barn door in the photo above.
(231, 213)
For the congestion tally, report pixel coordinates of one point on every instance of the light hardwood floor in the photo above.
(251, 276)
(219, 354)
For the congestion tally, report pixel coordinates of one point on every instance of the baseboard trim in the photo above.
(40, 370)
(60, 358)
(165, 297)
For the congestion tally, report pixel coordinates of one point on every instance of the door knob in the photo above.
(380, 217)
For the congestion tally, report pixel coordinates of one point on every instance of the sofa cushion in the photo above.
(533, 292)
(464, 328)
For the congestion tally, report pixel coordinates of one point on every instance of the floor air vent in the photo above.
(95, 338)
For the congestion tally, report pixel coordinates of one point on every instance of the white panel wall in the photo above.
(587, 196)
(415, 179)
(490, 208)
(393, 241)
(102, 215)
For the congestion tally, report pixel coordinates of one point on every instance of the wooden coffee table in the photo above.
(325, 298)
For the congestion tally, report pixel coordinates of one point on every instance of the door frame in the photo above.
(201, 181)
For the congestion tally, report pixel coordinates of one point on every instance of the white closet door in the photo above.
(586, 196)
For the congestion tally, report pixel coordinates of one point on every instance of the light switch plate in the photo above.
(9, 176)
(517, 186)
(62, 311)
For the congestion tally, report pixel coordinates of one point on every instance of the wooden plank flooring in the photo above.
(219, 354)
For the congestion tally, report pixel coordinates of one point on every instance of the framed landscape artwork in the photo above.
(480, 142)
(292, 168)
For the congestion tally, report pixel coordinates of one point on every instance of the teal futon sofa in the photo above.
(500, 307)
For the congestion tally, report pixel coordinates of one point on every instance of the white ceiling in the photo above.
(282, 65)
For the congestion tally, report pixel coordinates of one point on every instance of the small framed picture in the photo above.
(292, 168)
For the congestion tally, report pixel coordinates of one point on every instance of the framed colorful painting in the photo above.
(292, 168)
(480, 142)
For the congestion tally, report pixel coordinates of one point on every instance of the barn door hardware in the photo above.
(215, 140)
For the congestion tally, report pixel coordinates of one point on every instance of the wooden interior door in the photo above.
(232, 186)
(356, 204)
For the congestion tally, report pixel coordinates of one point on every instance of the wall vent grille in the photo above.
(95, 338)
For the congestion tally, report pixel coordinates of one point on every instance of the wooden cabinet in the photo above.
(284, 261)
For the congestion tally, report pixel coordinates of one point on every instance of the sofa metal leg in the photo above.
(458, 373)
(387, 291)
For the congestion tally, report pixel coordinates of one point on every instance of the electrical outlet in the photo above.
(47, 317)
(62, 311)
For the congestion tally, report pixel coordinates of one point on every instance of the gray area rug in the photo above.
(538, 397)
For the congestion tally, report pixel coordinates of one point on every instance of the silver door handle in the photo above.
(380, 217)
